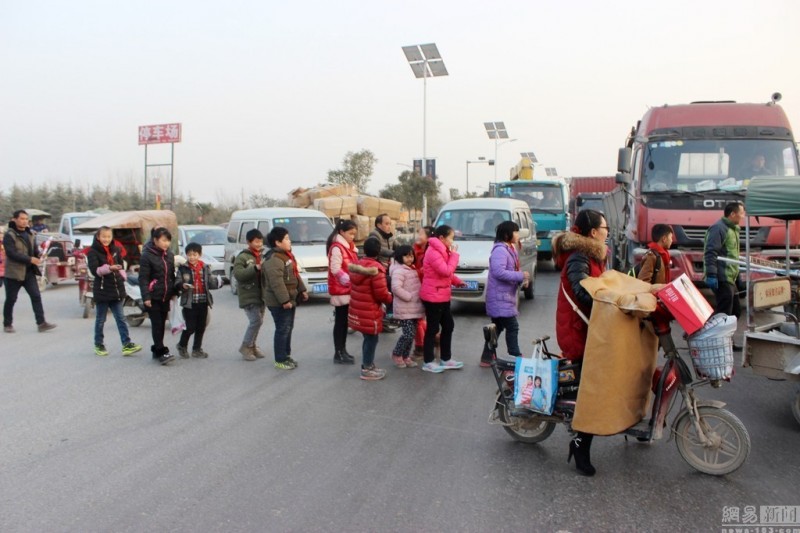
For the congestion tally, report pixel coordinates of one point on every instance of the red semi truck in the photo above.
(587, 192)
(683, 163)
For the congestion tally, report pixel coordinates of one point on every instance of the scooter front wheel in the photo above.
(529, 430)
(728, 441)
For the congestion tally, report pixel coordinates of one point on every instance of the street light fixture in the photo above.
(425, 62)
(497, 130)
(551, 171)
(479, 160)
(529, 155)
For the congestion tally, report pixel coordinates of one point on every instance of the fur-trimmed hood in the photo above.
(567, 242)
(355, 268)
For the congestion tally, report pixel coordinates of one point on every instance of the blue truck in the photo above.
(547, 198)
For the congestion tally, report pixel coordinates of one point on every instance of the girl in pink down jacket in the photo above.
(408, 307)
(439, 267)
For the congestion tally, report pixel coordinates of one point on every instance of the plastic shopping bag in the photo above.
(176, 322)
(536, 382)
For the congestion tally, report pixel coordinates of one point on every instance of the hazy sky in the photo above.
(271, 95)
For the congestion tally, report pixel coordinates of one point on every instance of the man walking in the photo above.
(22, 266)
(722, 240)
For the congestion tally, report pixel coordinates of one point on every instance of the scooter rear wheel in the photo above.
(529, 430)
(729, 446)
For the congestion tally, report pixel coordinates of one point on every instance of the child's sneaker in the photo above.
(410, 363)
(199, 353)
(183, 351)
(371, 373)
(451, 364)
(292, 361)
(99, 349)
(130, 349)
(284, 365)
(432, 367)
(398, 361)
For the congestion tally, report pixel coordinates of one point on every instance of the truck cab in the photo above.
(547, 199)
(683, 163)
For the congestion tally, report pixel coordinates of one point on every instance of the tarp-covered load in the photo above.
(776, 197)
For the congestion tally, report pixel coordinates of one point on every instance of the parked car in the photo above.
(475, 221)
(308, 229)
(212, 239)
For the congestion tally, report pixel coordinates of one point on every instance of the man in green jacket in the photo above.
(247, 271)
(722, 240)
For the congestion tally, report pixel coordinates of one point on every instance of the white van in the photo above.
(212, 239)
(308, 229)
(474, 221)
(70, 220)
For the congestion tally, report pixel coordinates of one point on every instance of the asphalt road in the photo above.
(122, 444)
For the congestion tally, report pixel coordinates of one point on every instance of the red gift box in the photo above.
(686, 303)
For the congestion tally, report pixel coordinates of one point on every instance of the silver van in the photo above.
(308, 229)
(474, 221)
(212, 239)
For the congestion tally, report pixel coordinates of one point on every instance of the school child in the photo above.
(282, 288)
(247, 271)
(408, 307)
(194, 284)
(502, 288)
(420, 246)
(156, 281)
(365, 314)
(105, 264)
(341, 253)
(655, 263)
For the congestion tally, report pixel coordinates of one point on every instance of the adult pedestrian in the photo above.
(22, 267)
(722, 240)
(341, 253)
(383, 232)
(579, 253)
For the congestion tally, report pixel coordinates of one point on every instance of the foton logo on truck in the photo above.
(682, 164)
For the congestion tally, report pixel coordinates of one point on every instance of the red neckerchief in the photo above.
(513, 251)
(664, 260)
(256, 254)
(197, 277)
(109, 255)
(294, 263)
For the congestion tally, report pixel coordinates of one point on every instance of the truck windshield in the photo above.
(306, 230)
(539, 197)
(710, 165)
(480, 224)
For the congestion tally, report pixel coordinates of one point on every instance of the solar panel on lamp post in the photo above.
(425, 62)
(497, 130)
(529, 155)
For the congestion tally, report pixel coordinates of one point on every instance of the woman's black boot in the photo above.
(579, 447)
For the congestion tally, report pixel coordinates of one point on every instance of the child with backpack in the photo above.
(654, 266)
(193, 284)
(282, 289)
(408, 308)
(365, 313)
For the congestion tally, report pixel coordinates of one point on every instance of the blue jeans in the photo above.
(119, 317)
(284, 324)
(368, 350)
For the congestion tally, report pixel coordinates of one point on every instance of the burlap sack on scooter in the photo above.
(620, 355)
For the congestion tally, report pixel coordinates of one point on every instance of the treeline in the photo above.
(58, 199)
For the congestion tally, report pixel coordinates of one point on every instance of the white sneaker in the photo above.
(451, 364)
(432, 367)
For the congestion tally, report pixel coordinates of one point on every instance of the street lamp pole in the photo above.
(480, 160)
(425, 61)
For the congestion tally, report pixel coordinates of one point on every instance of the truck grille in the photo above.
(469, 270)
(317, 269)
(696, 233)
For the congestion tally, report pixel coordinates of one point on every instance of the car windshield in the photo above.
(305, 230)
(207, 236)
(709, 165)
(477, 224)
(538, 197)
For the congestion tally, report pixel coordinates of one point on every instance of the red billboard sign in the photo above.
(160, 133)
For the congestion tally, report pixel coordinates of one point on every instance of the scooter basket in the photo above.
(713, 357)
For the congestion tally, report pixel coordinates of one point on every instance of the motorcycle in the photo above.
(132, 304)
(709, 438)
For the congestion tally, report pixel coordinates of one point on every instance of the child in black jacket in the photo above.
(194, 283)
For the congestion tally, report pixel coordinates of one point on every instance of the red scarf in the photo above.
(256, 254)
(664, 260)
(197, 277)
(294, 264)
(513, 251)
(109, 255)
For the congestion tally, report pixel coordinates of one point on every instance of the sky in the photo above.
(271, 95)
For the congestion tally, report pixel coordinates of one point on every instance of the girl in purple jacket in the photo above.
(502, 288)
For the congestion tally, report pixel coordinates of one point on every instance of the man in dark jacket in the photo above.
(22, 267)
(722, 240)
(383, 232)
